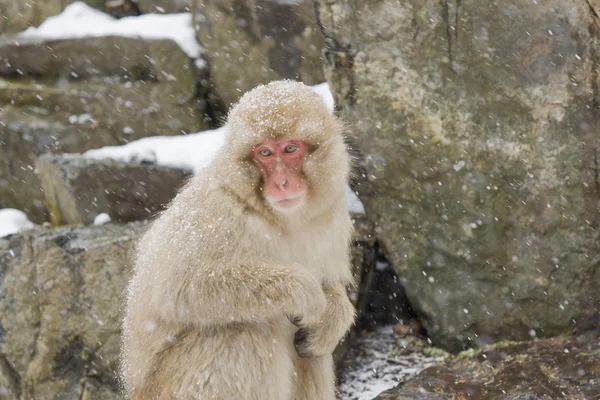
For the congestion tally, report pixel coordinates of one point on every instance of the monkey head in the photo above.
(288, 148)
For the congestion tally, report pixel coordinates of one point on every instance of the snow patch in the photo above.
(323, 90)
(13, 221)
(102, 219)
(79, 20)
(353, 202)
(192, 152)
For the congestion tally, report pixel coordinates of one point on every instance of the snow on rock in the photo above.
(371, 370)
(194, 151)
(79, 20)
(13, 221)
(322, 90)
(354, 204)
(101, 219)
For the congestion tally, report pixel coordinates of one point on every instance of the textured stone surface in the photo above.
(60, 311)
(558, 368)
(76, 189)
(479, 127)
(163, 6)
(74, 95)
(252, 42)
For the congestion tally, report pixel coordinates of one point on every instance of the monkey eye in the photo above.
(291, 148)
(264, 152)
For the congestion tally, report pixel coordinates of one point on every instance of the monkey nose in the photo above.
(281, 182)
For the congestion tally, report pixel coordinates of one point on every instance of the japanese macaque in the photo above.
(239, 287)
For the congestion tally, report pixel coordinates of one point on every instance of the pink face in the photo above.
(281, 164)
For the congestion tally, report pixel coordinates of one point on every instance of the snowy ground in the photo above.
(370, 370)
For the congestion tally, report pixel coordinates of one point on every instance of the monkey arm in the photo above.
(323, 337)
(247, 293)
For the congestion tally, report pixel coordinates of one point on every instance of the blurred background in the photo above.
(475, 196)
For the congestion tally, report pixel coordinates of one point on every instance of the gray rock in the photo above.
(74, 95)
(557, 368)
(408, 395)
(60, 311)
(479, 128)
(363, 263)
(77, 189)
(61, 297)
(163, 6)
(252, 42)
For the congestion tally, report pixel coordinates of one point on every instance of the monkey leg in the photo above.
(315, 378)
(246, 361)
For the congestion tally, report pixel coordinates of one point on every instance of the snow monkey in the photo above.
(239, 287)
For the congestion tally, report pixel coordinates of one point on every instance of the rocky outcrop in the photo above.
(61, 298)
(76, 189)
(479, 129)
(558, 368)
(253, 42)
(163, 6)
(74, 95)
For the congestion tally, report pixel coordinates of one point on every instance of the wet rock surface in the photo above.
(77, 190)
(60, 311)
(478, 127)
(253, 42)
(378, 359)
(557, 368)
(79, 94)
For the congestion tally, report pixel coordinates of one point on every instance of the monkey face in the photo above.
(280, 162)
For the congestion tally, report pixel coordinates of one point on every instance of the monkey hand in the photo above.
(309, 304)
(313, 342)
(322, 338)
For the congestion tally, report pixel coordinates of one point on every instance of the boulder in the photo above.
(557, 368)
(74, 95)
(61, 299)
(76, 189)
(253, 42)
(479, 130)
(163, 6)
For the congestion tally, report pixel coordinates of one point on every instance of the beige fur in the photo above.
(220, 276)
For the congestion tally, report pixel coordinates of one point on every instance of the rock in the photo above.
(406, 395)
(60, 311)
(252, 42)
(163, 6)
(72, 95)
(363, 254)
(61, 297)
(557, 368)
(77, 189)
(479, 129)
(363, 263)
